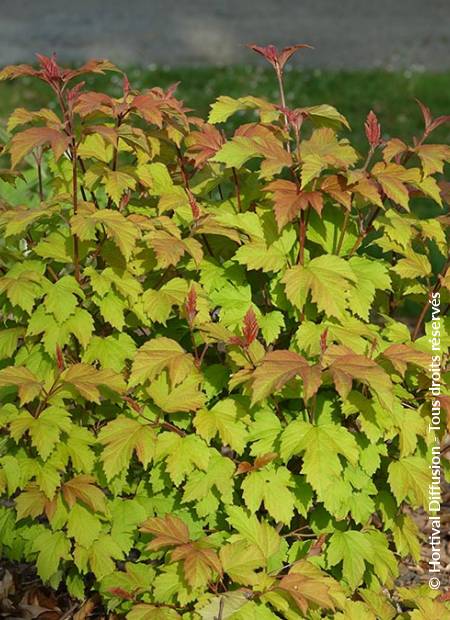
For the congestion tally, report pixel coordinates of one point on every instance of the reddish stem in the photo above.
(279, 75)
(238, 189)
(76, 252)
(365, 231)
(343, 231)
(303, 225)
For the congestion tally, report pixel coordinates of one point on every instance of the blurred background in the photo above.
(347, 34)
(368, 53)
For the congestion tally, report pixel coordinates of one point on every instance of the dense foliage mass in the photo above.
(215, 405)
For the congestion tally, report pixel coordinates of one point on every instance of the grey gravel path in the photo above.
(346, 33)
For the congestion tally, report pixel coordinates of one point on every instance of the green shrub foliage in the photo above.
(215, 352)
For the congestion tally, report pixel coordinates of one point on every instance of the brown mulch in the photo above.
(24, 597)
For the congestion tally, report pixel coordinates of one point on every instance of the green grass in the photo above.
(353, 93)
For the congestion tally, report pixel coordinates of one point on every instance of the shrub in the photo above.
(215, 405)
